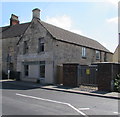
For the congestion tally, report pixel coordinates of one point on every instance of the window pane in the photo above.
(42, 69)
(26, 70)
(41, 45)
(83, 52)
(105, 57)
(25, 47)
(42, 62)
(97, 54)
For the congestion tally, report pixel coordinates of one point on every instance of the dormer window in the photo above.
(41, 45)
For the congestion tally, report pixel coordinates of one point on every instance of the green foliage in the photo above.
(117, 83)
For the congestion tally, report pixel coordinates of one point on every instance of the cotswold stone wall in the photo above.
(33, 57)
(56, 52)
(0, 58)
(118, 54)
(71, 53)
(9, 47)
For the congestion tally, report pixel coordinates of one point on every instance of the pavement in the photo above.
(77, 90)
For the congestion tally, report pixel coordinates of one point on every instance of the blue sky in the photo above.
(97, 20)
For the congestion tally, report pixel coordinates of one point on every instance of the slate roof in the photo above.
(14, 31)
(71, 37)
(56, 32)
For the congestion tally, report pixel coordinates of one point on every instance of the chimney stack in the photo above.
(119, 39)
(14, 20)
(119, 49)
(36, 13)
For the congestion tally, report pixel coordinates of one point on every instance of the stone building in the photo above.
(36, 48)
(116, 55)
(0, 58)
(10, 35)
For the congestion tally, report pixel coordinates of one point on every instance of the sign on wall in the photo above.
(88, 71)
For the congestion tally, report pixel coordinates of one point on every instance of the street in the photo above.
(24, 100)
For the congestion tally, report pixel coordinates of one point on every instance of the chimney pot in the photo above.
(14, 20)
(36, 13)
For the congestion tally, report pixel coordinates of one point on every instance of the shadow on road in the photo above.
(100, 92)
(64, 87)
(13, 85)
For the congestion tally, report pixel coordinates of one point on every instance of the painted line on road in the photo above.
(116, 113)
(6, 80)
(84, 108)
(48, 100)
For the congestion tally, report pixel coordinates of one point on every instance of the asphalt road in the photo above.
(24, 100)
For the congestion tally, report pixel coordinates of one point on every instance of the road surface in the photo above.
(24, 100)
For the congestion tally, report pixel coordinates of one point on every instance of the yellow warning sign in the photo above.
(87, 71)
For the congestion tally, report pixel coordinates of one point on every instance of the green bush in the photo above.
(117, 83)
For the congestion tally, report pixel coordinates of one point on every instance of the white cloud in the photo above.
(24, 19)
(113, 2)
(60, 21)
(52, 0)
(113, 20)
(64, 22)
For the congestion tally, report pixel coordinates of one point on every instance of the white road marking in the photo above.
(48, 100)
(116, 113)
(84, 108)
(6, 80)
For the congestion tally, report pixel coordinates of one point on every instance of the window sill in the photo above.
(41, 52)
(42, 78)
(97, 58)
(25, 53)
(84, 57)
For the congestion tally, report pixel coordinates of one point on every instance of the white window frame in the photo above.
(84, 52)
(97, 55)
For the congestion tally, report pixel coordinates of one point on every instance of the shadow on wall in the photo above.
(4, 75)
(13, 75)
